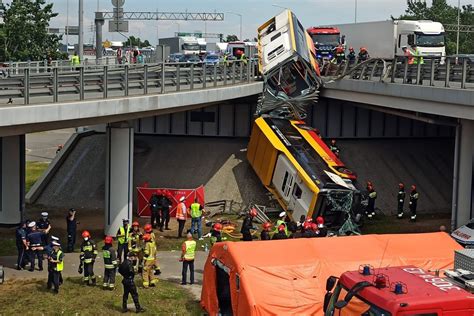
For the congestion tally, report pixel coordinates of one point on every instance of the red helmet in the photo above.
(267, 225)
(401, 185)
(108, 240)
(351, 49)
(159, 192)
(217, 227)
(333, 141)
(281, 228)
(320, 220)
(148, 228)
(307, 225)
(253, 212)
(339, 49)
(135, 224)
(363, 49)
(86, 234)
(147, 237)
(369, 183)
(413, 187)
(314, 227)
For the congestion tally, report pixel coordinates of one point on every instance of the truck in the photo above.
(236, 48)
(403, 290)
(187, 45)
(385, 39)
(325, 40)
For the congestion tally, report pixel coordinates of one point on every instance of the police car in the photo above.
(465, 234)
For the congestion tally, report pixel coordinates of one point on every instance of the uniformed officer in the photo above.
(149, 262)
(155, 209)
(281, 234)
(128, 272)
(44, 225)
(247, 225)
(135, 244)
(20, 236)
(35, 246)
(165, 206)
(87, 258)
(110, 263)
(56, 261)
(71, 224)
(401, 199)
(370, 212)
(123, 235)
(48, 250)
(413, 202)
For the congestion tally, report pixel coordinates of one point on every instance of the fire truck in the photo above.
(403, 291)
(325, 40)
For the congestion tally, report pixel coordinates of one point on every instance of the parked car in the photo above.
(192, 59)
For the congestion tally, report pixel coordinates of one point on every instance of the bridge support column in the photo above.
(119, 176)
(463, 174)
(12, 184)
(99, 22)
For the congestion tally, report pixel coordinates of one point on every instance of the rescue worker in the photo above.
(149, 262)
(418, 60)
(135, 244)
(322, 230)
(409, 59)
(181, 214)
(87, 258)
(56, 261)
(363, 54)
(155, 209)
(75, 61)
(244, 58)
(149, 230)
(127, 271)
(71, 228)
(110, 263)
(401, 199)
(247, 225)
(165, 205)
(310, 230)
(281, 221)
(413, 202)
(370, 211)
(281, 234)
(21, 245)
(123, 235)
(188, 253)
(35, 246)
(196, 218)
(216, 235)
(339, 54)
(333, 147)
(265, 234)
(44, 225)
(226, 59)
(352, 55)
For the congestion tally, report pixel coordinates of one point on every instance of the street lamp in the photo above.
(239, 15)
(279, 6)
(355, 12)
(459, 25)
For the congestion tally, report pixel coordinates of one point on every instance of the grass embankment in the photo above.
(32, 298)
(384, 224)
(34, 170)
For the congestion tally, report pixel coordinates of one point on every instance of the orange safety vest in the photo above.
(181, 211)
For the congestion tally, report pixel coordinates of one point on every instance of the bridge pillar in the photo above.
(463, 174)
(119, 176)
(12, 183)
(99, 22)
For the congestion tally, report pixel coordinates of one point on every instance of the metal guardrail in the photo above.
(63, 84)
(447, 72)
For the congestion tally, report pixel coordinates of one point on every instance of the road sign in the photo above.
(118, 26)
(118, 13)
(71, 30)
(118, 3)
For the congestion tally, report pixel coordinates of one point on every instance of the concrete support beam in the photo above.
(119, 176)
(12, 182)
(463, 174)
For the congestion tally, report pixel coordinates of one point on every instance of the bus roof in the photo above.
(424, 291)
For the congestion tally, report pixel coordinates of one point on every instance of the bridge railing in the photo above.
(448, 72)
(63, 84)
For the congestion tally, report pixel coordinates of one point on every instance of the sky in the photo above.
(254, 13)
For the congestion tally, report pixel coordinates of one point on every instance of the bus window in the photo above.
(297, 192)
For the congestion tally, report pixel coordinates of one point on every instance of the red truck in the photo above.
(325, 40)
(399, 291)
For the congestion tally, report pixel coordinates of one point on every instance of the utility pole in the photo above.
(81, 31)
(459, 26)
(67, 27)
(240, 16)
(355, 12)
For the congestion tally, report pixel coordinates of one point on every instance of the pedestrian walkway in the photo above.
(168, 260)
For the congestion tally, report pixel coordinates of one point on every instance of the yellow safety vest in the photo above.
(123, 235)
(75, 60)
(195, 210)
(60, 264)
(190, 250)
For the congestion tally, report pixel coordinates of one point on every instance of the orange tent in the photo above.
(288, 277)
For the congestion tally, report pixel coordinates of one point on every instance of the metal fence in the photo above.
(62, 84)
(448, 72)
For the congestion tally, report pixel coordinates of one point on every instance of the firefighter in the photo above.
(149, 230)
(310, 230)
(333, 147)
(352, 55)
(44, 225)
(134, 244)
(409, 60)
(247, 225)
(165, 204)
(363, 54)
(21, 245)
(413, 202)
(181, 214)
(155, 209)
(281, 234)
(123, 235)
(322, 230)
(87, 258)
(401, 199)
(56, 261)
(216, 235)
(127, 271)
(149, 262)
(265, 234)
(281, 221)
(339, 54)
(370, 211)
(110, 263)
(35, 246)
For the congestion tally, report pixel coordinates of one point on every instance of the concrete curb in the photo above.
(54, 166)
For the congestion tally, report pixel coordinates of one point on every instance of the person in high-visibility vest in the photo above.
(181, 214)
(110, 263)
(87, 258)
(188, 253)
(56, 260)
(123, 235)
(418, 59)
(281, 221)
(196, 218)
(75, 60)
(149, 262)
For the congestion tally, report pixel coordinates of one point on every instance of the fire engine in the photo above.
(325, 40)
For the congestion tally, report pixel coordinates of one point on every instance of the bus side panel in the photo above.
(261, 155)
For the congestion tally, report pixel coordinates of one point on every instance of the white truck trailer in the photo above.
(187, 45)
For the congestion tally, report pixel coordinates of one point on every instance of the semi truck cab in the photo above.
(428, 36)
(397, 291)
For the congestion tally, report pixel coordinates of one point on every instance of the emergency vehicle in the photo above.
(325, 40)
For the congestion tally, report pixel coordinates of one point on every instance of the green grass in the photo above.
(32, 298)
(34, 170)
(384, 224)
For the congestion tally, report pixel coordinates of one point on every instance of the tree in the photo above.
(24, 34)
(440, 11)
(231, 38)
(136, 41)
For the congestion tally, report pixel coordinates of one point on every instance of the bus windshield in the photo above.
(325, 39)
(429, 40)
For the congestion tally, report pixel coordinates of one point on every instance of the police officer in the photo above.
(165, 205)
(413, 202)
(400, 199)
(123, 234)
(48, 249)
(110, 263)
(71, 227)
(56, 263)
(247, 225)
(265, 234)
(87, 258)
(155, 209)
(128, 272)
(44, 225)
(281, 221)
(20, 236)
(35, 245)
(370, 211)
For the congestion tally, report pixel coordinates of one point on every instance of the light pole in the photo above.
(240, 16)
(459, 25)
(279, 6)
(67, 27)
(81, 31)
(355, 12)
